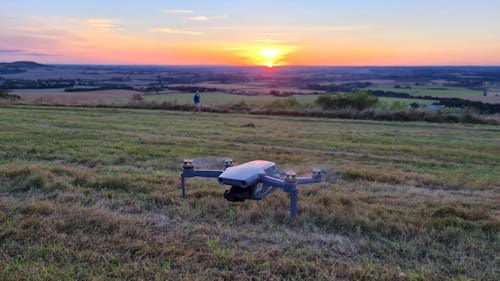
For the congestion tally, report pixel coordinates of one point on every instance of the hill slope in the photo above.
(21, 64)
(94, 194)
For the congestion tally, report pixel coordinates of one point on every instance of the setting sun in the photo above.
(270, 56)
(270, 53)
(262, 53)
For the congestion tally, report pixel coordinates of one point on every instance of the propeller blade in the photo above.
(216, 163)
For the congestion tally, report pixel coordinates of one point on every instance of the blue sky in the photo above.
(440, 32)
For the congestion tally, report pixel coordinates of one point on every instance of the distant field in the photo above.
(59, 97)
(406, 101)
(488, 99)
(219, 98)
(425, 91)
(254, 87)
(93, 194)
(37, 91)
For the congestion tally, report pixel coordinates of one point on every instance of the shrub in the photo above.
(137, 98)
(359, 100)
(5, 95)
(289, 102)
(362, 100)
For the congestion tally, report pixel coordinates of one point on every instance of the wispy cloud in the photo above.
(174, 11)
(37, 54)
(176, 31)
(9, 51)
(269, 41)
(22, 52)
(199, 18)
(295, 29)
(104, 24)
(340, 28)
(205, 18)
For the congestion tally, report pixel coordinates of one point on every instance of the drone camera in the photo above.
(237, 194)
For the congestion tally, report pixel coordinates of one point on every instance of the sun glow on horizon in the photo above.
(261, 53)
(270, 56)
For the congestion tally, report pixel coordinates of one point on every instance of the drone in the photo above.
(252, 180)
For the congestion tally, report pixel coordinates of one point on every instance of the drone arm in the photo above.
(308, 180)
(272, 181)
(316, 177)
(207, 173)
(191, 173)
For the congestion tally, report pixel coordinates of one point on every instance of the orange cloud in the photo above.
(199, 18)
(107, 40)
(176, 31)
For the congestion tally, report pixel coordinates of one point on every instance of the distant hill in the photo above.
(18, 66)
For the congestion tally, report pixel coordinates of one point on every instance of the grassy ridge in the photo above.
(93, 194)
(220, 98)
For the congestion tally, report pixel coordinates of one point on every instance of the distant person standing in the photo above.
(197, 103)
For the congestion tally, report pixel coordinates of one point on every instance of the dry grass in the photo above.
(59, 97)
(94, 194)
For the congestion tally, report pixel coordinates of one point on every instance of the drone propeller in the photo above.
(299, 172)
(327, 174)
(211, 162)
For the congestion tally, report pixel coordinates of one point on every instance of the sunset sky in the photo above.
(277, 32)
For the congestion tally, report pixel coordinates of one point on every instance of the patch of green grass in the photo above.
(94, 194)
(220, 98)
(433, 92)
(388, 102)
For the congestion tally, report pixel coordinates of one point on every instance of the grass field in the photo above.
(59, 97)
(94, 194)
(220, 98)
(217, 98)
(426, 91)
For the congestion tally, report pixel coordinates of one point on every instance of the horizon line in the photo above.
(256, 66)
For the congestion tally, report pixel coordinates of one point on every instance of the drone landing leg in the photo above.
(183, 187)
(293, 201)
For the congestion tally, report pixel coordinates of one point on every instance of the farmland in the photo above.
(248, 86)
(59, 97)
(120, 97)
(434, 92)
(94, 194)
(220, 98)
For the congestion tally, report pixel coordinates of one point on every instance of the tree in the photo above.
(359, 100)
(4, 95)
